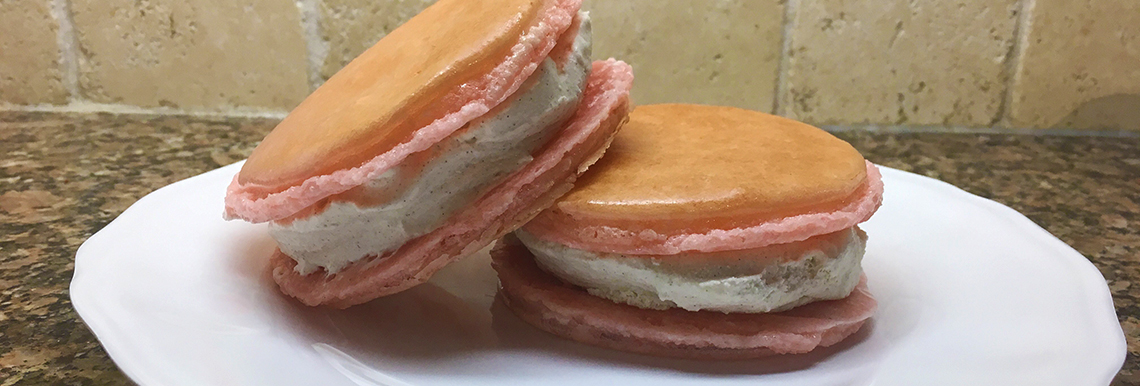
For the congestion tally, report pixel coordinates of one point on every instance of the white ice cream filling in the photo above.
(727, 283)
(493, 147)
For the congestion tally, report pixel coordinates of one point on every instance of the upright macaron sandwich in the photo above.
(705, 232)
(454, 129)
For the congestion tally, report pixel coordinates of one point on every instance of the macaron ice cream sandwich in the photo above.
(705, 232)
(453, 130)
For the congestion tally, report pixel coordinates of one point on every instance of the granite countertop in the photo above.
(65, 176)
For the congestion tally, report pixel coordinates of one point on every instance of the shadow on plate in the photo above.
(422, 323)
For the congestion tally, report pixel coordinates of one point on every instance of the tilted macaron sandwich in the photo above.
(454, 129)
(705, 232)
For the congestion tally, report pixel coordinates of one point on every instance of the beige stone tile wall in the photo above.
(723, 52)
(351, 26)
(971, 63)
(900, 62)
(30, 71)
(1081, 66)
(199, 54)
(729, 57)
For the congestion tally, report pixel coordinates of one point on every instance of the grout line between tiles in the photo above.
(68, 48)
(892, 129)
(1012, 68)
(89, 107)
(790, 7)
(317, 48)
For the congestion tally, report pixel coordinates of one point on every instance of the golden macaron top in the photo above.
(715, 164)
(388, 92)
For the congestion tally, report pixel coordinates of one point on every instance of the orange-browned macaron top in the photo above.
(714, 164)
(379, 99)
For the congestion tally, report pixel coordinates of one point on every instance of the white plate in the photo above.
(970, 293)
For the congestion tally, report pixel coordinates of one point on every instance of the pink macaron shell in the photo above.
(570, 312)
(471, 100)
(602, 238)
(507, 206)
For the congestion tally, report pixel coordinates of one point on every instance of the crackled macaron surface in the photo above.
(709, 178)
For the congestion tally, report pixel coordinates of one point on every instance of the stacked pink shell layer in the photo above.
(601, 238)
(470, 101)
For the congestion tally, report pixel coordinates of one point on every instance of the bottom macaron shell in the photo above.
(544, 301)
(513, 202)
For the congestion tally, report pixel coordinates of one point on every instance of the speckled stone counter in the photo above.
(65, 176)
